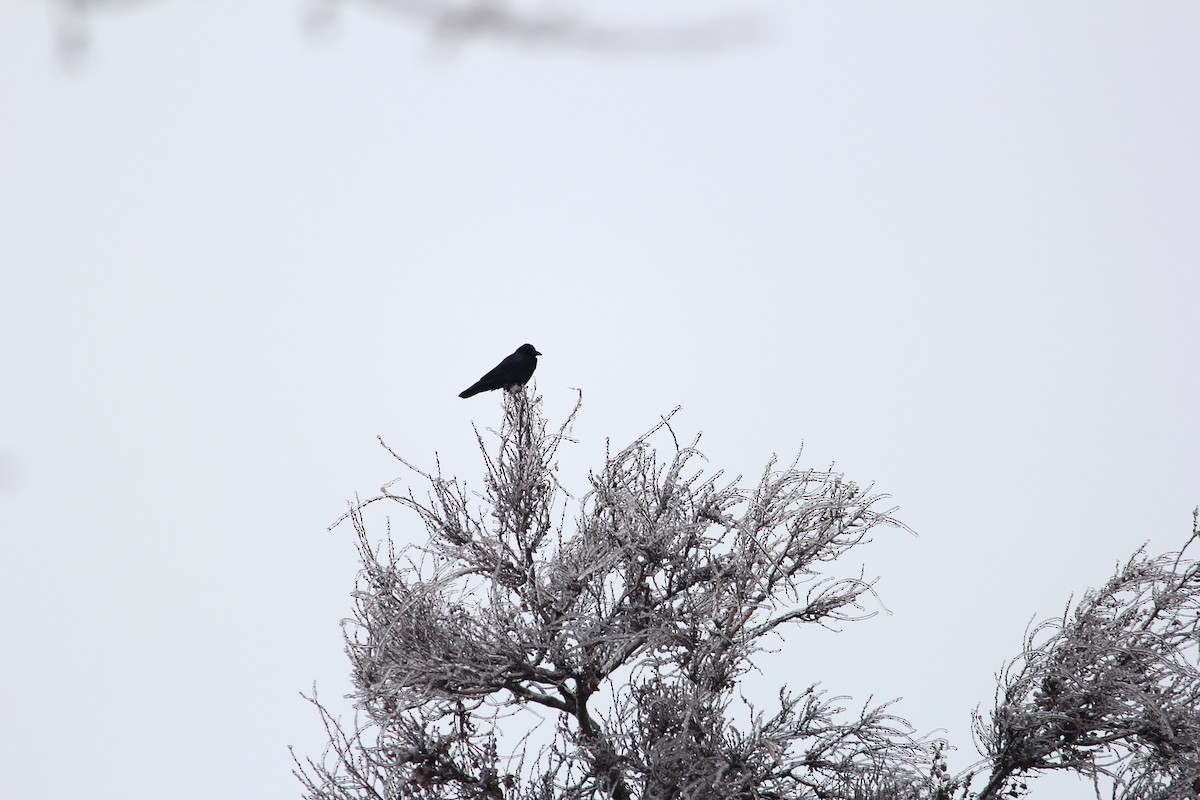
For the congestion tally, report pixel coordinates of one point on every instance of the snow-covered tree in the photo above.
(622, 623)
(1112, 688)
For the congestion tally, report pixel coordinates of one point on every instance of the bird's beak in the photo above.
(536, 353)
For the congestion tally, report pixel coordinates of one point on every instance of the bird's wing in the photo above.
(502, 372)
(499, 371)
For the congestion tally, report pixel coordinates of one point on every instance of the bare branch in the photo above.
(454, 21)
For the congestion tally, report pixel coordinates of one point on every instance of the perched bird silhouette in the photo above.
(516, 370)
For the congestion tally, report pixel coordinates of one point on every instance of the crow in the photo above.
(516, 370)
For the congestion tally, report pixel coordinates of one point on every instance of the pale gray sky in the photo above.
(952, 247)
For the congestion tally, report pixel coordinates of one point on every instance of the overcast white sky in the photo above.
(952, 247)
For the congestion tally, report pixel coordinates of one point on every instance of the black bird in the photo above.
(516, 370)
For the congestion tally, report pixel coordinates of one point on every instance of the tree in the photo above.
(544, 648)
(627, 632)
(1111, 688)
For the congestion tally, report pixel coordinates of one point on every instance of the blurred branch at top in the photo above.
(564, 25)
